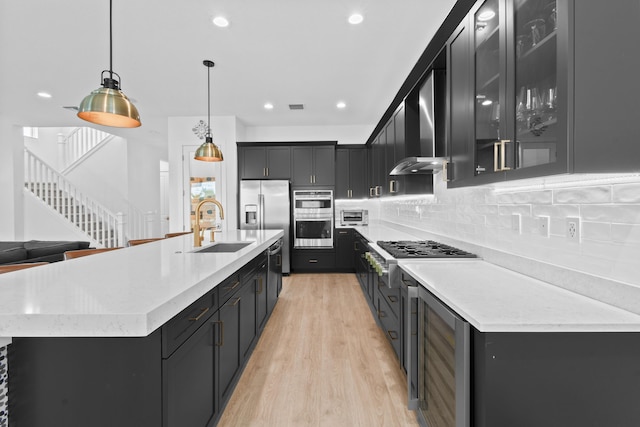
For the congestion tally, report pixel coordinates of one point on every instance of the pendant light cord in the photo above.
(208, 100)
(110, 39)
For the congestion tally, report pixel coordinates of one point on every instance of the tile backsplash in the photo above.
(530, 218)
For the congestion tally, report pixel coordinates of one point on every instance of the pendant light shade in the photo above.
(107, 105)
(208, 151)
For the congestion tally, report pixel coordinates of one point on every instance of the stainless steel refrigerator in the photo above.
(266, 205)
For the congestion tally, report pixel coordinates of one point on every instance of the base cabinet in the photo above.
(181, 375)
(313, 260)
(344, 249)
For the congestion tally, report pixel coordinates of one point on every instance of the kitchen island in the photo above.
(155, 334)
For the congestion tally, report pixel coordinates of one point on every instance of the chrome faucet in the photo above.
(197, 237)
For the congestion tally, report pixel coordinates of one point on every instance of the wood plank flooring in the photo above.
(321, 361)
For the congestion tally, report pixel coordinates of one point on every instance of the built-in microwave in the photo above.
(313, 219)
(354, 217)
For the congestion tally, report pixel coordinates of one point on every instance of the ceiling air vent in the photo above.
(296, 107)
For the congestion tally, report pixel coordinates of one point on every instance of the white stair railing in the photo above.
(98, 222)
(78, 144)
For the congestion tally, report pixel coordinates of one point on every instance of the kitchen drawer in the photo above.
(228, 287)
(181, 326)
(390, 295)
(390, 324)
(313, 260)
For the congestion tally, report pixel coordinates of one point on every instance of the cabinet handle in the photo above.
(278, 260)
(355, 246)
(392, 298)
(378, 190)
(232, 287)
(199, 316)
(343, 232)
(445, 171)
(393, 335)
(393, 187)
(259, 285)
(499, 152)
(313, 261)
(372, 192)
(236, 302)
(221, 342)
(381, 314)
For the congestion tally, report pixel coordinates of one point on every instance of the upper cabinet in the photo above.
(272, 162)
(540, 87)
(313, 165)
(351, 176)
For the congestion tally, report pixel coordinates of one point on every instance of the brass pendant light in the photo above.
(208, 151)
(107, 105)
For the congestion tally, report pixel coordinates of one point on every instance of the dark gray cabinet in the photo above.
(351, 173)
(360, 247)
(313, 165)
(526, 99)
(189, 381)
(313, 260)
(344, 249)
(273, 162)
(262, 294)
(229, 346)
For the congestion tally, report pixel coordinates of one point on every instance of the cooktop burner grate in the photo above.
(422, 249)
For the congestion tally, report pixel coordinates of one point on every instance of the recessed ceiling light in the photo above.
(356, 18)
(486, 15)
(268, 106)
(221, 21)
(44, 95)
(341, 105)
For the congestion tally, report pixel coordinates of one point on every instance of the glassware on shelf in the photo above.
(538, 30)
(523, 43)
(552, 15)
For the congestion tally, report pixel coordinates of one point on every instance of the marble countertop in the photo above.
(127, 292)
(495, 299)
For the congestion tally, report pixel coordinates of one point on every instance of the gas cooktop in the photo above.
(422, 249)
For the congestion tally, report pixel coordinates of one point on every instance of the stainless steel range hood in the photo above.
(418, 165)
(431, 106)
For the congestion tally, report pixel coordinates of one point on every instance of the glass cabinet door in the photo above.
(489, 85)
(536, 86)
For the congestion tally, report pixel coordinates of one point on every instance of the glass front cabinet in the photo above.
(543, 87)
(516, 91)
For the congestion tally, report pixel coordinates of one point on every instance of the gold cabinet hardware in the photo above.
(259, 285)
(381, 314)
(393, 335)
(278, 260)
(199, 316)
(499, 155)
(392, 298)
(313, 261)
(236, 302)
(267, 171)
(343, 232)
(372, 191)
(221, 342)
(393, 186)
(445, 171)
(232, 287)
(355, 246)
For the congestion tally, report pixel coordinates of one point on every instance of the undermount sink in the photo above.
(224, 247)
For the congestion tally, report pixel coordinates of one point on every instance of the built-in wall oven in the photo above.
(313, 219)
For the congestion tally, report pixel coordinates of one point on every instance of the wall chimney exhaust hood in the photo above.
(430, 109)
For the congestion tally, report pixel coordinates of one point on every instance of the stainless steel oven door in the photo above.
(313, 232)
(443, 395)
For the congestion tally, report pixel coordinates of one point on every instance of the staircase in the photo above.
(81, 142)
(103, 227)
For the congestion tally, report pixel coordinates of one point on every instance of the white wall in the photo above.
(12, 179)
(46, 145)
(43, 223)
(342, 134)
(104, 176)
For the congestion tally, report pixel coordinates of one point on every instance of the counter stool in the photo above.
(142, 241)
(180, 233)
(14, 267)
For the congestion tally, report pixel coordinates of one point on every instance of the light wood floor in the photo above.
(321, 361)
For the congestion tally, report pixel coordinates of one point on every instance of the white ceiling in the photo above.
(278, 51)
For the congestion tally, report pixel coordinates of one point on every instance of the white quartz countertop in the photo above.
(127, 292)
(494, 299)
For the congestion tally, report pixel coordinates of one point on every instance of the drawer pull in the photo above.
(393, 335)
(221, 342)
(199, 316)
(381, 314)
(313, 261)
(260, 285)
(232, 287)
(392, 298)
(235, 302)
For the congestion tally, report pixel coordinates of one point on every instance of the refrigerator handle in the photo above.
(261, 210)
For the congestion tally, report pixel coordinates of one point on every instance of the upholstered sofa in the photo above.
(37, 251)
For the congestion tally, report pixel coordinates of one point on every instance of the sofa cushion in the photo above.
(10, 245)
(16, 254)
(39, 249)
